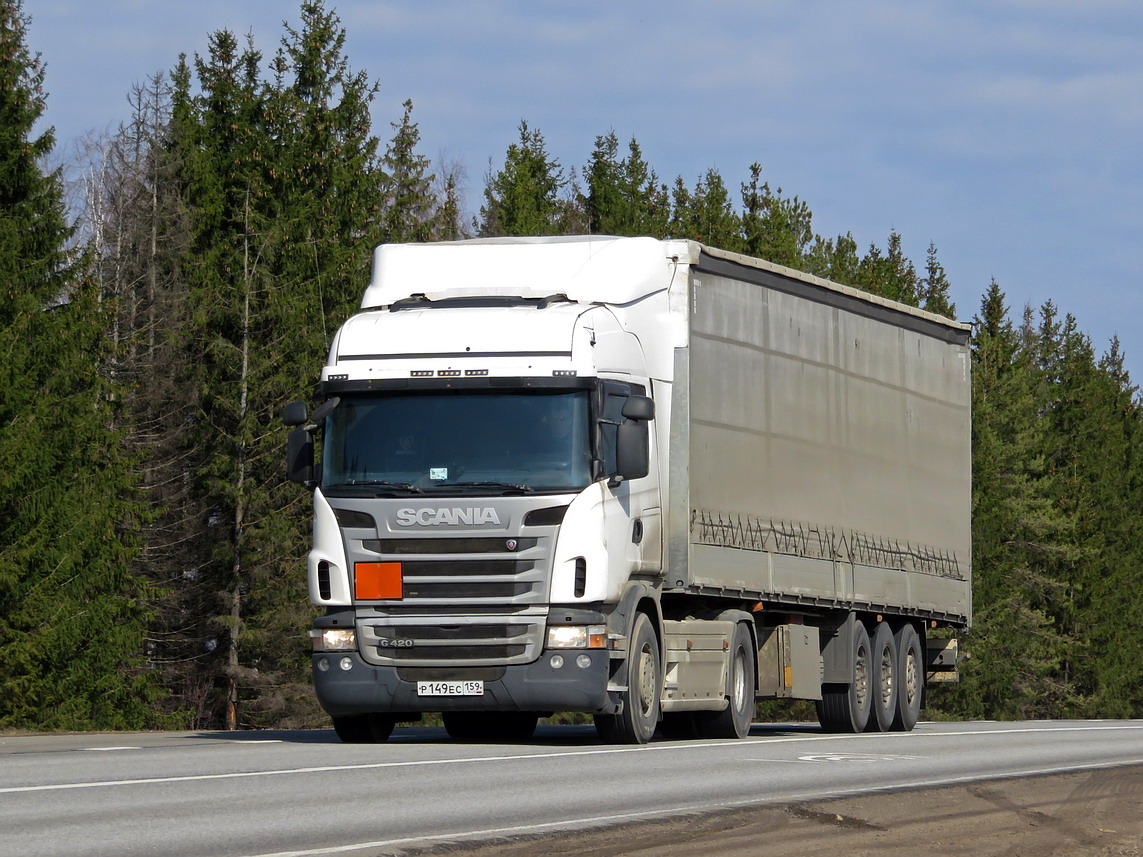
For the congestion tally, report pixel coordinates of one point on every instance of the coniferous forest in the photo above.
(156, 317)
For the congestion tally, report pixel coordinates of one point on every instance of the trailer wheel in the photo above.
(910, 679)
(636, 723)
(490, 725)
(883, 680)
(364, 728)
(845, 707)
(734, 720)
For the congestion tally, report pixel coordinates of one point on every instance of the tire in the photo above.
(845, 707)
(637, 722)
(910, 678)
(490, 725)
(883, 679)
(364, 728)
(734, 720)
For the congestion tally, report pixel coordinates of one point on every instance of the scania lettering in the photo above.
(650, 481)
(446, 517)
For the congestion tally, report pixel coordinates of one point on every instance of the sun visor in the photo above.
(585, 268)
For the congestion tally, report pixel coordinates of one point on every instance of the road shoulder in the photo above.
(1091, 814)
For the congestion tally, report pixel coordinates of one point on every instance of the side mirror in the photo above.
(300, 441)
(295, 414)
(632, 441)
(632, 450)
(639, 408)
(300, 457)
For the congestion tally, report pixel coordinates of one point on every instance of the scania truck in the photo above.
(650, 481)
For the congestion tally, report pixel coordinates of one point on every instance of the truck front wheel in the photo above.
(636, 723)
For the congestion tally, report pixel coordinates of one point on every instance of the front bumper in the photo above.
(537, 686)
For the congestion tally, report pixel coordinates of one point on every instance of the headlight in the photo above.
(577, 637)
(333, 639)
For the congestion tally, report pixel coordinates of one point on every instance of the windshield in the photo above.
(457, 442)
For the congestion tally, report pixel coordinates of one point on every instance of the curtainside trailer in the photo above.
(652, 481)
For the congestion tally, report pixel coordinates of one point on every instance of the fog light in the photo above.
(557, 661)
(583, 661)
(323, 664)
(346, 664)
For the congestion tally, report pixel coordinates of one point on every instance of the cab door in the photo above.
(632, 511)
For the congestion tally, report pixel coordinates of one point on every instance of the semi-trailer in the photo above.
(648, 480)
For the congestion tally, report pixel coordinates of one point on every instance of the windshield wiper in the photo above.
(408, 487)
(504, 486)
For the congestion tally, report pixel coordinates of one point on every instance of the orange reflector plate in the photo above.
(377, 581)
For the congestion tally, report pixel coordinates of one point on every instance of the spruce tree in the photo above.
(72, 616)
(650, 207)
(447, 224)
(523, 196)
(1094, 450)
(933, 290)
(281, 182)
(706, 214)
(624, 196)
(834, 259)
(1116, 473)
(221, 153)
(417, 204)
(605, 203)
(408, 206)
(888, 274)
(774, 228)
(1019, 648)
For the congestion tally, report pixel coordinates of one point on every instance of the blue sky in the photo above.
(1008, 132)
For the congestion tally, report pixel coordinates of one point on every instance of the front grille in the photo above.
(462, 578)
(448, 545)
(457, 653)
(451, 632)
(424, 641)
(465, 590)
(390, 608)
(466, 601)
(458, 568)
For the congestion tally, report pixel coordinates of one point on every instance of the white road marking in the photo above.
(669, 746)
(857, 757)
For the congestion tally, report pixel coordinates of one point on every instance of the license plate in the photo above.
(450, 688)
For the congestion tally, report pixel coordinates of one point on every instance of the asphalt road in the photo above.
(304, 793)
